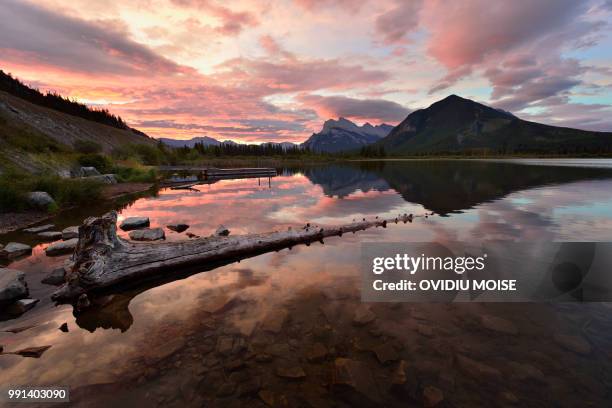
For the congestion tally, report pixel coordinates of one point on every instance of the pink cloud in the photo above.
(232, 22)
(374, 110)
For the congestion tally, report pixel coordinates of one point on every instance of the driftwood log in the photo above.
(102, 260)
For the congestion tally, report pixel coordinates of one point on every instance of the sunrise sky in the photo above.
(260, 70)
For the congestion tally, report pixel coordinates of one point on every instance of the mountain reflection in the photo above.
(445, 186)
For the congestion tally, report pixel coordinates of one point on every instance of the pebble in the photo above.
(432, 396)
(363, 315)
(385, 353)
(290, 372)
(317, 353)
(477, 369)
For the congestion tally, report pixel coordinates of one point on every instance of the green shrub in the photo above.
(102, 163)
(135, 174)
(87, 146)
(12, 196)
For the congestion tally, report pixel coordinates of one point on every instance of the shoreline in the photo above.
(14, 221)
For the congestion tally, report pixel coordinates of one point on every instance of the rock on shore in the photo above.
(40, 199)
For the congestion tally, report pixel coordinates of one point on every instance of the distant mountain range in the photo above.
(456, 124)
(209, 141)
(205, 140)
(451, 125)
(343, 135)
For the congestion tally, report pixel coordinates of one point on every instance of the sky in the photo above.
(275, 70)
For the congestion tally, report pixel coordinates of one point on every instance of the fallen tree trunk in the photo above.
(103, 260)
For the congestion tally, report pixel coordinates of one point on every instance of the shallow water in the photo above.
(246, 333)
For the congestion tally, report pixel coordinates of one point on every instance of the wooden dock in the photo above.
(213, 172)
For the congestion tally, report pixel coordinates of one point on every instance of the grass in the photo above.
(15, 186)
(135, 174)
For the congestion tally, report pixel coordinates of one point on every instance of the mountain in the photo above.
(456, 124)
(343, 135)
(205, 140)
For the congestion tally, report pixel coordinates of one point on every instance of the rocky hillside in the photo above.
(343, 135)
(30, 134)
(456, 124)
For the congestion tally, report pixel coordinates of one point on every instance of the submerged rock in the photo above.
(70, 232)
(477, 369)
(149, 234)
(317, 353)
(222, 231)
(40, 199)
(14, 250)
(32, 352)
(432, 396)
(290, 372)
(21, 306)
(358, 376)
(61, 248)
(83, 302)
(178, 227)
(527, 372)
(363, 315)
(399, 374)
(385, 353)
(40, 228)
(499, 325)
(12, 285)
(19, 329)
(274, 321)
(56, 277)
(574, 343)
(164, 350)
(50, 235)
(133, 223)
(274, 399)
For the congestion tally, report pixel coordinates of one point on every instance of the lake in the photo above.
(288, 328)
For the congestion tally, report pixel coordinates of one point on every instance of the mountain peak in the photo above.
(342, 135)
(456, 124)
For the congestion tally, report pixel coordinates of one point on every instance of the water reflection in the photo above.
(271, 328)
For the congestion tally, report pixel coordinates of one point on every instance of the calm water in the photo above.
(268, 330)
